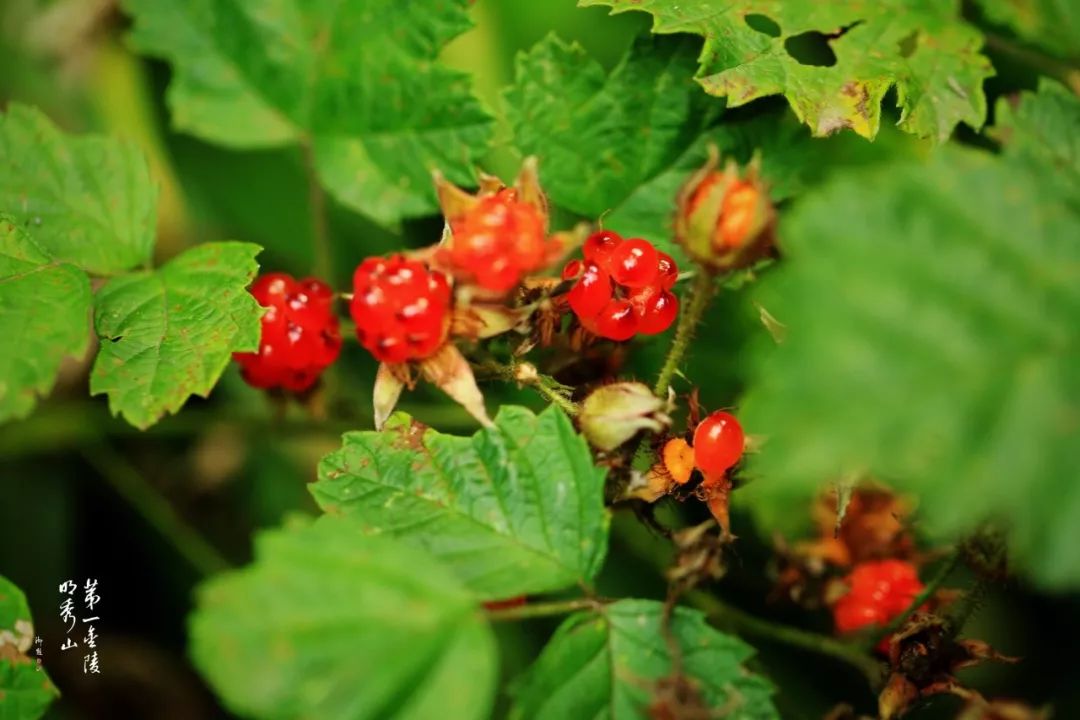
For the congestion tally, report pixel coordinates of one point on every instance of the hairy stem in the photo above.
(546, 386)
(928, 592)
(544, 609)
(122, 476)
(322, 256)
(722, 614)
(701, 292)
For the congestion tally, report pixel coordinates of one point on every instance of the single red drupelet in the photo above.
(879, 591)
(299, 335)
(623, 287)
(497, 242)
(718, 443)
(400, 307)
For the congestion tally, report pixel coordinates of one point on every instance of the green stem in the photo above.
(550, 388)
(928, 592)
(1068, 74)
(722, 614)
(547, 609)
(701, 292)
(322, 261)
(115, 469)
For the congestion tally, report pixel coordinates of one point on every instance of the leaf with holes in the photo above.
(25, 690)
(514, 509)
(359, 81)
(44, 317)
(89, 201)
(616, 664)
(835, 61)
(566, 110)
(932, 314)
(348, 626)
(168, 334)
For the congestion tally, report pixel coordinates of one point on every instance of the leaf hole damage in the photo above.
(811, 48)
(762, 24)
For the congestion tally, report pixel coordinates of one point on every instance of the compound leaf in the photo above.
(345, 626)
(89, 201)
(835, 61)
(932, 313)
(44, 317)
(514, 509)
(358, 80)
(169, 333)
(612, 665)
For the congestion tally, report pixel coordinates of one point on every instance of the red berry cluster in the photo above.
(498, 241)
(400, 307)
(299, 336)
(879, 591)
(624, 287)
(718, 444)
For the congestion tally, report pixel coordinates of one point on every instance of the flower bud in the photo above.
(725, 219)
(614, 413)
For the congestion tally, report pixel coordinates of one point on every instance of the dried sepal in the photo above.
(449, 371)
(480, 320)
(390, 380)
(453, 200)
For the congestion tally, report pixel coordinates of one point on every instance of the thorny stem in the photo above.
(546, 609)
(701, 292)
(548, 387)
(928, 592)
(322, 263)
(720, 613)
(122, 476)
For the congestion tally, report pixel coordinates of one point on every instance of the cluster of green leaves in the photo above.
(375, 609)
(25, 689)
(76, 208)
(940, 349)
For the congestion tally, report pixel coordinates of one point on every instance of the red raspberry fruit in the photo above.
(623, 287)
(299, 335)
(497, 242)
(718, 443)
(879, 591)
(400, 307)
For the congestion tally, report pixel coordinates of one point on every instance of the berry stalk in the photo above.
(700, 293)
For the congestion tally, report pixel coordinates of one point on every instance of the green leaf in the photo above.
(44, 317)
(921, 46)
(345, 626)
(1050, 24)
(168, 334)
(1042, 130)
(515, 509)
(90, 201)
(931, 314)
(620, 146)
(609, 665)
(25, 690)
(358, 80)
(601, 136)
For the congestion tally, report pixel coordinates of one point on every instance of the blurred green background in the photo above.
(149, 514)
